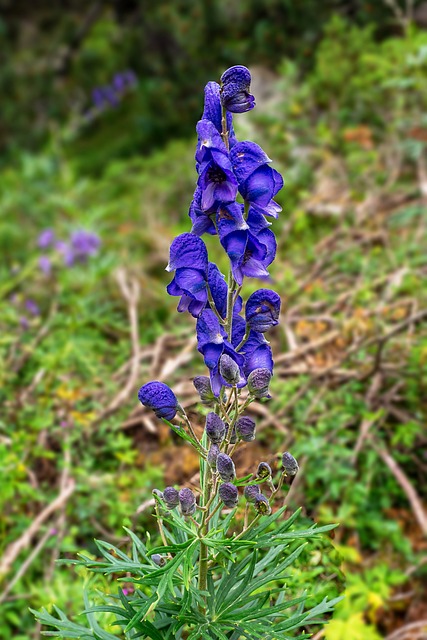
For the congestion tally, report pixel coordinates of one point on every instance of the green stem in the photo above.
(213, 306)
(244, 340)
(204, 527)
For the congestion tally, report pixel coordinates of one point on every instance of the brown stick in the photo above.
(411, 494)
(15, 548)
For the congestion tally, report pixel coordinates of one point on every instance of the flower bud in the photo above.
(263, 471)
(158, 494)
(290, 465)
(212, 456)
(258, 383)
(158, 559)
(235, 85)
(262, 505)
(225, 467)
(215, 428)
(160, 398)
(229, 494)
(251, 492)
(187, 501)
(229, 369)
(203, 388)
(171, 497)
(245, 428)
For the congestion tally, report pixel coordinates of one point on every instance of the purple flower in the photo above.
(257, 354)
(187, 501)
(202, 222)
(217, 181)
(263, 471)
(251, 492)
(46, 239)
(262, 310)
(23, 321)
(215, 428)
(213, 111)
(290, 465)
(225, 467)
(84, 244)
(235, 85)
(189, 260)
(171, 497)
(229, 494)
(262, 505)
(212, 343)
(258, 383)
(160, 398)
(245, 428)
(258, 182)
(250, 252)
(45, 265)
(32, 307)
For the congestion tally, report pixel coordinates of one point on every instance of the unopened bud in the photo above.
(225, 467)
(159, 560)
(171, 497)
(204, 389)
(290, 465)
(229, 369)
(158, 494)
(212, 455)
(251, 492)
(229, 494)
(245, 428)
(215, 428)
(187, 501)
(258, 383)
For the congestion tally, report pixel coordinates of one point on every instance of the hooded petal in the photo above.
(246, 157)
(188, 250)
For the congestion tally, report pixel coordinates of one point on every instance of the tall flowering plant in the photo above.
(216, 574)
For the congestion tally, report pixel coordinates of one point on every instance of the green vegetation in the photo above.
(350, 382)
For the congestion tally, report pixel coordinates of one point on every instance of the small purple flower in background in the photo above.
(46, 239)
(83, 244)
(45, 265)
(110, 95)
(23, 321)
(235, 85)
(32, 307)
(160, 398)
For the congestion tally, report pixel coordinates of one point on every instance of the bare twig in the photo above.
(411, 494)
(15, 548)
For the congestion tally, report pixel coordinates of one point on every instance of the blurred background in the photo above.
(97, 134)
